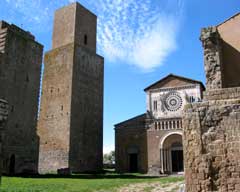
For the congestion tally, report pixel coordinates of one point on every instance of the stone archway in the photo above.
(171, 152)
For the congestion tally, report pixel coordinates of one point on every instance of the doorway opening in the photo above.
(12, 165)
(133, 163)
(177, 161)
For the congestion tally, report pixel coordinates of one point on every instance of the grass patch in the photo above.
(77, 183)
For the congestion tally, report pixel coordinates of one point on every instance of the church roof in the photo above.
(135, 120)
(168, 82)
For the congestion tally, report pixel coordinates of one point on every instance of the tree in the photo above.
(109, 158)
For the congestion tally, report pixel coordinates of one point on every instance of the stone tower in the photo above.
(20, 69)
(71, 116)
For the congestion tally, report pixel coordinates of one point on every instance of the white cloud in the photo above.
(108, 149)
(142, 34)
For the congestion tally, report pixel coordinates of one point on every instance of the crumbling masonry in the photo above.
(212, 128)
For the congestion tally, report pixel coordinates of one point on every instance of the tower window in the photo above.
(85, 40)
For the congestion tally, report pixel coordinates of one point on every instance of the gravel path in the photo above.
(152, 187)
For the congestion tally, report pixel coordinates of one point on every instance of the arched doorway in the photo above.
(12, 165)
(171, 152)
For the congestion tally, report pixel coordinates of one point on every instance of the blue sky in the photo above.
(142, 41)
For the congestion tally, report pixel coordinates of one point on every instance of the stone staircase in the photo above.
(3, 37)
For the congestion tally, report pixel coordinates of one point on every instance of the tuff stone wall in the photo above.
(71, 116)
(212, 127)
(20, 69)
(3, 118)
(212, 57)
(212, 141)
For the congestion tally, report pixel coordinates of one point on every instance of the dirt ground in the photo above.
(153, 187)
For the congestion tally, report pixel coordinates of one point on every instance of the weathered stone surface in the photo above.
(211, 143)
(20, 69)
(212, 128)
(3, 119)
(71, 116)
(212, 57)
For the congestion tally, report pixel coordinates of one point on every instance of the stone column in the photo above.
(3, 118)
(211, 42)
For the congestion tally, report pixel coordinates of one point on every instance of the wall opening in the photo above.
(177, 157)
(133, 163)
(12, 165)
(85, 40)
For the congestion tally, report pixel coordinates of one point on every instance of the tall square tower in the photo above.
(71, 116)
(20, 69)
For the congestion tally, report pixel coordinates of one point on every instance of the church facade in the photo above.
(152, 142)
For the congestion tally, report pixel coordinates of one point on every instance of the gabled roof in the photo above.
(162, 81)
(134, 119)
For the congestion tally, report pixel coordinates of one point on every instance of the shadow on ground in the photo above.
(103, 175)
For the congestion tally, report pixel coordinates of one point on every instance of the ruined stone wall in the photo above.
(229, 32)
(19, 84)
(222, 54)
(211, 141)
(3, 118)
(212, 127)
(212, 58)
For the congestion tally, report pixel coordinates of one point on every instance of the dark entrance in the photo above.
(133, 163)
(12, 165)
(177, 161)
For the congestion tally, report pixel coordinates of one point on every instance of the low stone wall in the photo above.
(3, 118)
(212, 143)
(222, 94)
